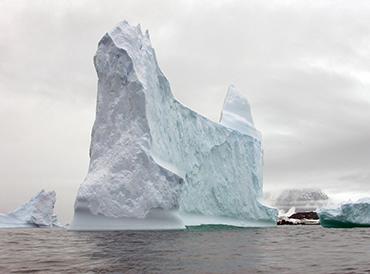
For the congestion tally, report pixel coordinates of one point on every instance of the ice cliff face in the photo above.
(151, 154)
(350, 214)
(38, 212)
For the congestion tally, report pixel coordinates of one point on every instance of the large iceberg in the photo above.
(346, 215)
(38, 212)
(156, 164)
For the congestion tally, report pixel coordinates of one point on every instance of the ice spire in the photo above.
(236, 113)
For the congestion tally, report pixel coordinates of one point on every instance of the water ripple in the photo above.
(303, 249)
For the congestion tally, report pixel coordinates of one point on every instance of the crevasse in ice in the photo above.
(156, 164)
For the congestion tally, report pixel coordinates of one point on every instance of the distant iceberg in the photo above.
(303, 199)
(38, 212)
(156, 164)
(346, 215)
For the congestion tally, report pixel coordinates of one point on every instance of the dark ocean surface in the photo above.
(284, 249)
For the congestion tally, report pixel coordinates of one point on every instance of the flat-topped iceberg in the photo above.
(38, 212)
(346, 215)
(156, 164)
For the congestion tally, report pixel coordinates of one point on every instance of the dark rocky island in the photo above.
(300, 218)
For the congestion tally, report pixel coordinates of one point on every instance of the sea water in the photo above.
(208, 249)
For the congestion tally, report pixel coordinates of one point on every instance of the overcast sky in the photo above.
(303, 65)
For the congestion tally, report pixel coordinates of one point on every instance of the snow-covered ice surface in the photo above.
(38, 212)
(348, 214)
(149, 153)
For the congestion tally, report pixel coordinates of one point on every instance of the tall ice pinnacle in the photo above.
(236, 113)
(156, 164)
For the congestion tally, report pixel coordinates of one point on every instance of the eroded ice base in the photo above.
(7, 221)
(157, 219)
(200, 220)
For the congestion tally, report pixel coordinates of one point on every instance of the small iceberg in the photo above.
(347, 215)
(38, 212)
